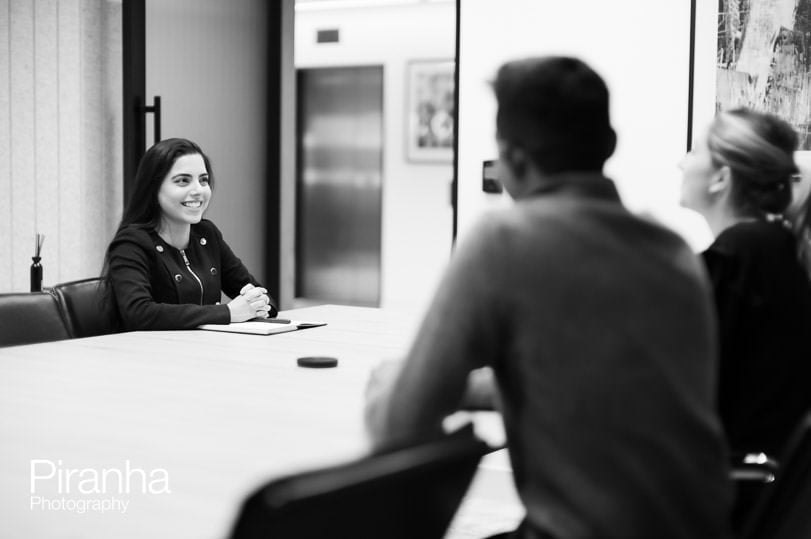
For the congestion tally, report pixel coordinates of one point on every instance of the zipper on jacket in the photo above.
(188, 267)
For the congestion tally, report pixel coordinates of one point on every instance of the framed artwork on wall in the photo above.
(430, 110)
(755, 54)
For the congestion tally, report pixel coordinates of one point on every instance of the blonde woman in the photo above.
(739, 177)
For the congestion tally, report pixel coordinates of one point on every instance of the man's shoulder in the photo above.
(552, 219)
(497, 225)
(549, 216)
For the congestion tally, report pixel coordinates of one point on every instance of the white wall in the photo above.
(640, 48)
(60, 136)
(417, 216)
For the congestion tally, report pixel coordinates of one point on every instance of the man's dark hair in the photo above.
(556, 109)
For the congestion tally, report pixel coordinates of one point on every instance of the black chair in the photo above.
(406, 493)
(30, 318)
(784, 510)
(84, 308)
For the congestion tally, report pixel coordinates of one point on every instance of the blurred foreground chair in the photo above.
(752, 475)
(30, 318)
(84, 309)
(784, 509)
(406, 493)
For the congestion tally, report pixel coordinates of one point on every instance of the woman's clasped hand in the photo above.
(252, 302)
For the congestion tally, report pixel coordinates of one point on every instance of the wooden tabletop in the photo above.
(206, 416)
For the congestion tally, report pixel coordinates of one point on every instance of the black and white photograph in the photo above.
(430, 110)
(405, 269)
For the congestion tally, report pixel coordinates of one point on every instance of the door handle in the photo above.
(155, 109)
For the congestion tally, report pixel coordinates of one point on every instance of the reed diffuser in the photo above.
(36, 267)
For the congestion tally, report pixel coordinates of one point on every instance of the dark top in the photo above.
(763, 299)
(600, 330)
(157, 286)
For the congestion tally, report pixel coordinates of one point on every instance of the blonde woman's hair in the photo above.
(759, 149)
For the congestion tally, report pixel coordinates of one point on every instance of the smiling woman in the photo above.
(167, 266)
(183, 197)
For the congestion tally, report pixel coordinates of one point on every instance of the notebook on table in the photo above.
(264, 326)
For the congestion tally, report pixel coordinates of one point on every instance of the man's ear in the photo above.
(515, 159)
(520, 163)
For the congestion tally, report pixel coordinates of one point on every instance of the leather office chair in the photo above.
(30, 318)
(406, 493)
(783, 510)
(84, 309)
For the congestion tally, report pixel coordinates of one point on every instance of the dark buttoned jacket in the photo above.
(157, 286)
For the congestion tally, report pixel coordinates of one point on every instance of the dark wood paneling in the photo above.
(134, 68)
(273, 202)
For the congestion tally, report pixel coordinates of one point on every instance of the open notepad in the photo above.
(267, 326)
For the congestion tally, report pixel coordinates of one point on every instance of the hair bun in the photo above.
(759, 150)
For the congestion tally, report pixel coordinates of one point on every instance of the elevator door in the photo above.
(338, 202)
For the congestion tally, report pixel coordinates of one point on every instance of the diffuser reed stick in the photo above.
(36, 267)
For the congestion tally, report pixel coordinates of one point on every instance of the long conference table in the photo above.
(163, 433)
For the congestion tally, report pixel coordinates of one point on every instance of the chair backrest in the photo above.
(407, 493)
(30, 318)
(84, 308)
(784, 512)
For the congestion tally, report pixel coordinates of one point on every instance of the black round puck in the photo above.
(317, 362)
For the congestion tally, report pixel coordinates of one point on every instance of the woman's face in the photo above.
(185, 192)
(698, 171)
(801, 187)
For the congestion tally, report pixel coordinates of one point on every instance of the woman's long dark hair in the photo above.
(142, 208)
